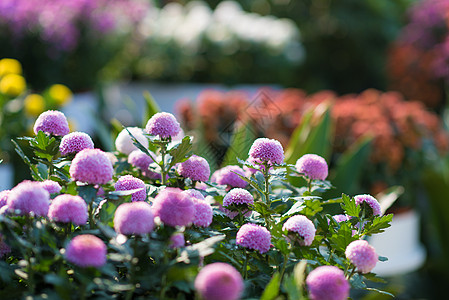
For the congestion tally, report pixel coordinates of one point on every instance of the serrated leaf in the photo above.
(181, 152)
(272, 289)
(343, 237)
(378, 225)
(350, 207)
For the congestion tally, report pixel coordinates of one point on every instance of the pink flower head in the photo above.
(195, 194)
(173, 207)
(267, 150)
(29, 197)
(134, 218)
(340, 218)
(124, 142)
(4, 248)
(163, 124)
(219, 281)
(313, 166)
(74, 142)
(227, 176)
(52, 122)
(238, 196)
(362, 255)
(4, 197)
(203, 213)
(68, 208)
(303, 227)
(142, 161)
(52, 187)
(86, 250)
(327, 283)
(177, 241)
(368, 201)
(92, 166)
(195, 168)
(254, 237)
(129, 182)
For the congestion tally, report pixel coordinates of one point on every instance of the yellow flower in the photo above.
(34, 104)
(60, 94)
(12, 85)
(10, 66)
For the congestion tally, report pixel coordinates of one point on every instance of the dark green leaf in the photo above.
(151, 107)
(181, 152)
(378, 225)
(241, 142)
(272, 289)
(350, 207)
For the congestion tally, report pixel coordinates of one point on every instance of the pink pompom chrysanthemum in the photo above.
(340, 218)
(228, 176)
(203, 213)
(142, 161)
(219, 281)
(134, 218)
(129, 182)
(267, 150)
(369, 203)
(92, 166)
(237, 197)
(177, 241)
(254, 237)
(303, 227)
(124, 142)
(86, 250)
(163, 124)
(74, 142)
(4, 197)
(196, 168)
(312, 166)
(51, 186)
(362, 255)
(29, 197)
(327, 283)
(68, 208)
(52, 122)
(173, 207)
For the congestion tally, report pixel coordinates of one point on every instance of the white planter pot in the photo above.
(6, 176)
(401, 245)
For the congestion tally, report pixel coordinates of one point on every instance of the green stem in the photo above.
(245, 265)
(350, 274)
(163, 171)
(132, 270)
(361, 221)
(330, 255)
(91, 215)
(309, 185)
(266, 175)
(284, 266)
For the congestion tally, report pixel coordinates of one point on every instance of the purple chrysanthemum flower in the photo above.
(267, 150)
(238, 196)
(196, 168)
(52, 122)
(327, 283)
(368, 201)
(74, 142)
(92, 166)
(68, 208)
(203, 213)
(362, 255)
(177, 241)
(219, 281)
(51, 186)
(29, 197)
(134, 218)
(312, 166)
(129, 182)
(192, 193)
(340, 218)
(4, 197)
(4, 248)
(163, 124)
(86, 250)
(303, 227)
(228, 176)
(142, 161)
(173, 207)
(254, 237)
(124, 142)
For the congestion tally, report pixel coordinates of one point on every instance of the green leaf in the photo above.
(378, 225)
(349, 168)
(180, 152)
(241, 142)
(200, 249)
(151, 107)
(272, 289)
(380, 291)
(311, 138)
(34, 172)
(343, 237)
(350, 207)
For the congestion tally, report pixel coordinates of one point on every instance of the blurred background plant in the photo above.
(66, 41)
(20, 106)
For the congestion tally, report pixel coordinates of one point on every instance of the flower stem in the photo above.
(132, 270)
(245, 265)
(91, 215)
(266, 175)
(284, 266)
(163, 171)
